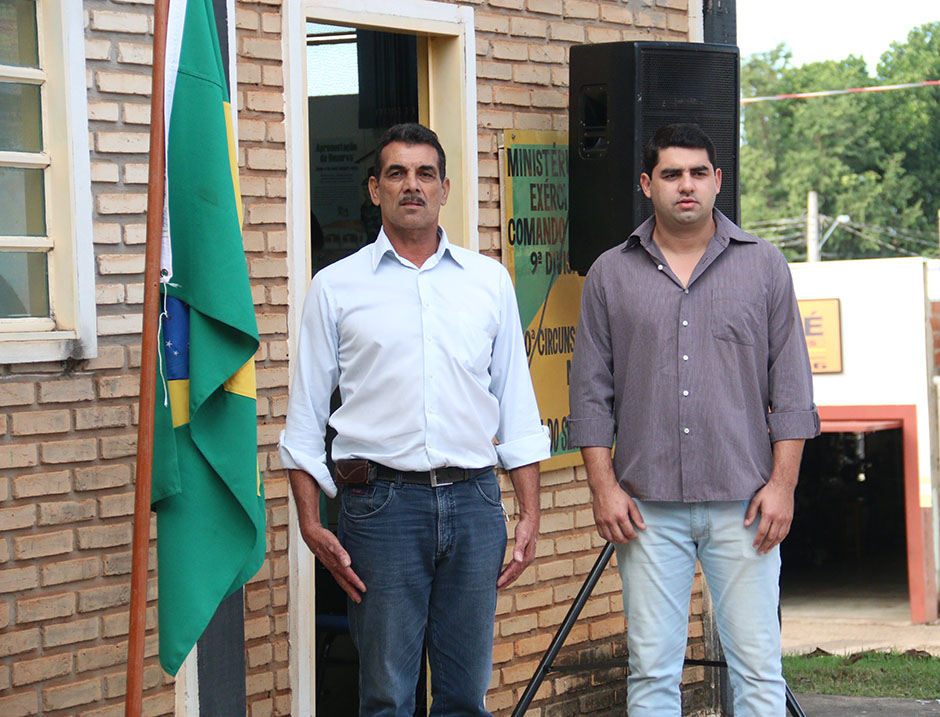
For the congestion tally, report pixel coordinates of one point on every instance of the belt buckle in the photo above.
(434, 482)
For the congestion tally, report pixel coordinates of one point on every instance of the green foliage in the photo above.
(872, 156)
(913, 674)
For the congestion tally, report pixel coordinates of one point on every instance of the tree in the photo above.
(871, 156)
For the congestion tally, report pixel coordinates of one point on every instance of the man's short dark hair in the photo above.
(410, 133)
(687, 135)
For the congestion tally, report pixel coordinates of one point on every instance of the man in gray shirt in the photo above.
(690, 350)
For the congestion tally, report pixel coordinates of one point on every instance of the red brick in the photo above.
(30, 547)
(73, 451)
(13, 643)
(18, 579)
(94, 658)
(47, 607)
(39, 484)
(67, 633)
(23, 516)
(19, 705)
(71, 695)
(91, 599)
(45, 668)
(104, 536)
(66, 511)
(114, 475)
(69, 571)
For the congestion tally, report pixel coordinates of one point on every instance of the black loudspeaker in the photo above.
(621, 93)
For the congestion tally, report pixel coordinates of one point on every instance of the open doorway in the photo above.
(846, 555)
(359, 83)
(446, 75)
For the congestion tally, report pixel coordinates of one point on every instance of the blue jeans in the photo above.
(657, 569)
(429, 558)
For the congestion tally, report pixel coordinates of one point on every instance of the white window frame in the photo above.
(71, 330)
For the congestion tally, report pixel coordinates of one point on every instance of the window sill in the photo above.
(35, 346)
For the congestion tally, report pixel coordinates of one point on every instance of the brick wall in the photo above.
(68, 430)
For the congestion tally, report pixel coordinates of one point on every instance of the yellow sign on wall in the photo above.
(823, 330)
(534, 184)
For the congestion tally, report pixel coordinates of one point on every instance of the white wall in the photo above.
(887, 351)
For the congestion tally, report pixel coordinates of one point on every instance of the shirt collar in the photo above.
(383, 247)
(725, 232)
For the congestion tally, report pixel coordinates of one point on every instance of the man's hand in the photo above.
(523, 553)
(775, 503)
(525, 482)
(615, 513)
(326, 547)
(322, 543)
(775, 500)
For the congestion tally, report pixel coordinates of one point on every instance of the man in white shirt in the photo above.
(424, 342)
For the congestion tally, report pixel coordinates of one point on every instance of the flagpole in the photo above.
(148, 372)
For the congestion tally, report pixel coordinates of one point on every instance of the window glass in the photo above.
(24, 284)
(19, 44)
(22, 202)
(20, 117)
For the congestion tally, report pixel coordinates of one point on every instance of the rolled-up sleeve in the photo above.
(591, 392)
(793, 414)
(522, 439)
(316, 373)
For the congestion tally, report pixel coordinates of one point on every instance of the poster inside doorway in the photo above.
(534, 185)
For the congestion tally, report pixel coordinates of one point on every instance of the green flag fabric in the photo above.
(207, 490)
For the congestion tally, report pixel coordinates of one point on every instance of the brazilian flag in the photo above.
(207, 490)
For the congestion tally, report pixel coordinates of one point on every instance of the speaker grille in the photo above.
(681, 86)
(621, 93)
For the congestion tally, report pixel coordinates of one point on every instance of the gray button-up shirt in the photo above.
(696, 381)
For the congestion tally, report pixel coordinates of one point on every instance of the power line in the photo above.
(829, 93)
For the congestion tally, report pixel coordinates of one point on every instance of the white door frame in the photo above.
(452, 113)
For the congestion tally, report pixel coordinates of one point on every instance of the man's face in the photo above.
(683, 187)
(409, 188)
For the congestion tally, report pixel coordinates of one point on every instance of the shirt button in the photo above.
(686, 291)
(685, 393)
(685, 323)
(685, 357)
(685, 430)
(660, 267)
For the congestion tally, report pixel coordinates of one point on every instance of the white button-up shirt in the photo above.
(429, 362)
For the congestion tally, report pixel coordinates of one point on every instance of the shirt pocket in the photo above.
(735, 319)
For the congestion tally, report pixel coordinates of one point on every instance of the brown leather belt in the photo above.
(358, 471)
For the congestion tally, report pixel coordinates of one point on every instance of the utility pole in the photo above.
(812, 226)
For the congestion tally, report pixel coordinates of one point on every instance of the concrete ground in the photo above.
(848, 616)
(832, 706)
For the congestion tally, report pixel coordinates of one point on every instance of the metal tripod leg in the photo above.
(545, 665)
(552, 652)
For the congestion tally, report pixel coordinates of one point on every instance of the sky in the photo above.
(830, 29)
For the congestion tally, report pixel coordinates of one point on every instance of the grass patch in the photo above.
(913, 674)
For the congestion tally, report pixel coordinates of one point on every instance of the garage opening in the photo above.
(846, 555)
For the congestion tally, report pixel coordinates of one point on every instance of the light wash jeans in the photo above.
(657, 569)
(428, 557)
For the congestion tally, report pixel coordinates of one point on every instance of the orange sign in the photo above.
(823, 330)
